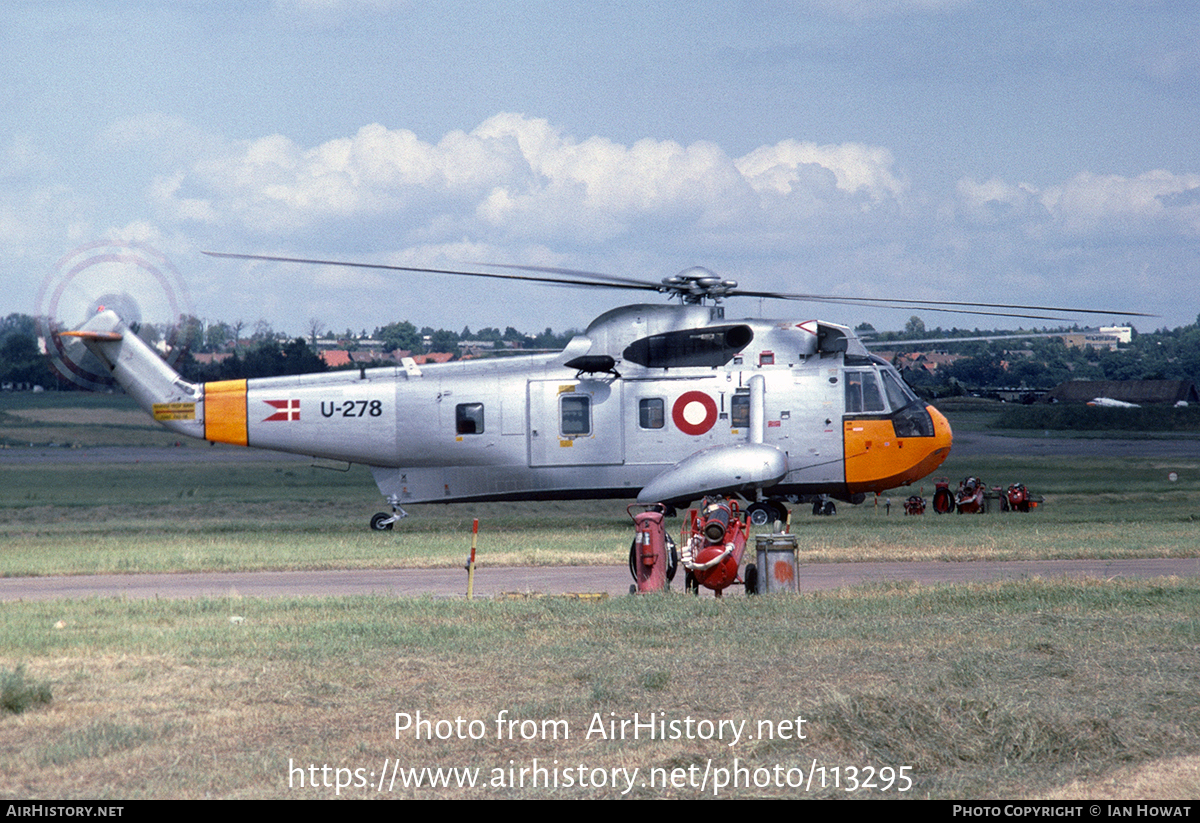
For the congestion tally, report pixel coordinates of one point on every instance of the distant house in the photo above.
(1163, 392)
(433, 357)
(930, 361)
(207, 358)
(337, 358)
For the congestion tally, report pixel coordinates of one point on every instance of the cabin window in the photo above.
(862, 393)
(651, 413)
(468, 418)
(739, 411)
(576, 414)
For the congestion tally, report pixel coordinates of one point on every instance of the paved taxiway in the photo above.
(489, 582)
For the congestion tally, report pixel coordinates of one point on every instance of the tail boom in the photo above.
(158, 389)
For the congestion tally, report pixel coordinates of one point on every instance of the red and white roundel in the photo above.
(694, 412)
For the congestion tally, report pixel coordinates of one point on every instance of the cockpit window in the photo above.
(899, 395)
(862, 393)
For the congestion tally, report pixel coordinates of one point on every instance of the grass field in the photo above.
(1029, 689)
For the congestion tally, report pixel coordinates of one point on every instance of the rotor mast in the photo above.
(695, 285)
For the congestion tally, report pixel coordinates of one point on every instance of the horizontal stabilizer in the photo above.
(155, 386)
(740, 467)
(98, 336)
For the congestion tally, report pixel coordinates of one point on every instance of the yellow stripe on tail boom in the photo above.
(225, 412)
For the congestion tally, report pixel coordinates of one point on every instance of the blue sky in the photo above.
(1020, 151)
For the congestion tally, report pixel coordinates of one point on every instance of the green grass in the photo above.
(979, 691)
(76, 419)
(18, 693)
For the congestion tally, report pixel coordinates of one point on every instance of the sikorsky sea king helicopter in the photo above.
(662, 403)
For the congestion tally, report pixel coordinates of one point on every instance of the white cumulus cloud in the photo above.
(525, 177)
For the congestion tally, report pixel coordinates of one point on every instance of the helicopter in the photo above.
(663, 403)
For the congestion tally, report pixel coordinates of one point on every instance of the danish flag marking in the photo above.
(288, 410)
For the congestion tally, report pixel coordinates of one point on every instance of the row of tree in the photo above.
(405, 336)
(262, 353)
(199, 337)
(1037, 363)
(1045, 362)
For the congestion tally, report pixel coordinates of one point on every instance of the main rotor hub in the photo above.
(696, 284)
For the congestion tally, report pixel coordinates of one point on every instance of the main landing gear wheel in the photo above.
(759, 514)
(766, 512)
(382, 522)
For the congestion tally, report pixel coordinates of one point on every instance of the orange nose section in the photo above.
(877, 460)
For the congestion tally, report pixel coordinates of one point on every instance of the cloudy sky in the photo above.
(992, 150)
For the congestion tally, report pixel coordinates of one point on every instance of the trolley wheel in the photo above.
(751, 579)
(672, 558)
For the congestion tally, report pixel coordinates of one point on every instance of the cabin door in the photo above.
(575, 423)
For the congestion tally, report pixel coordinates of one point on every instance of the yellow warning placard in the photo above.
(174, 411)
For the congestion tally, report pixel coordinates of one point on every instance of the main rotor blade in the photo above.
(903, 302)
(899, 303)
(587, 279)
(616, 280)
(864, 302)
(561, 281)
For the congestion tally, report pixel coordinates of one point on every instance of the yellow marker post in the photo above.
(471, 561)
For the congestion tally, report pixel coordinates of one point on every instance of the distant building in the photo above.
(1108, 337)
(1124, 333)
(929, 361)
(433, 357)
(337, 358)
(208, 358)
